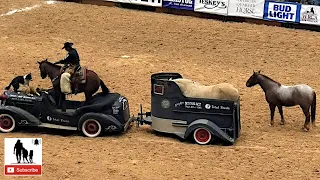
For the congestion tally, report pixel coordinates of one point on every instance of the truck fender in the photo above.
(108, 123)
(22, 117)
(212, 127)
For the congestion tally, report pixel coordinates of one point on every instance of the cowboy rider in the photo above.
(71, 64)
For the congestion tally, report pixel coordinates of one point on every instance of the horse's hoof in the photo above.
(304, 129)
(282, 123)
(271, 125)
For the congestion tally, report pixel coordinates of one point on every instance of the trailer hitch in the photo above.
(140, 120)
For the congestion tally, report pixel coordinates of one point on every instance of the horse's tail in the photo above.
(104, 88)
(8, 87)
(313, 107)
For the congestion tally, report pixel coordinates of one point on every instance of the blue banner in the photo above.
(179, 4)
(282, 11)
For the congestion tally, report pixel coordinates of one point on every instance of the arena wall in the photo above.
(283, 14)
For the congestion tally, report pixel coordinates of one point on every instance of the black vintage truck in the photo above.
(107, 113)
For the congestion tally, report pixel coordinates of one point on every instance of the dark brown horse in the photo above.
(90, 87)
(281, 95)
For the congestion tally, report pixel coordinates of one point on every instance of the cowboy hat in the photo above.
(67, 44)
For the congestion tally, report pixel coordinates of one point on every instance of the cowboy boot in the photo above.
(76, 91)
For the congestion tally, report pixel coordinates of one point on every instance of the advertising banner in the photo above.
(246, 8)
(282, 11)
(310, 15)
(179, 4)
(155, 3)
(219, 7)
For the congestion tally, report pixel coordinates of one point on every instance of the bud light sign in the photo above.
(282, 11)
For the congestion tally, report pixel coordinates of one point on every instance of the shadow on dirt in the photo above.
(188, 140)
(60, 132)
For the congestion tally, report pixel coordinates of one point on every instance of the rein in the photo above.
(54, 79)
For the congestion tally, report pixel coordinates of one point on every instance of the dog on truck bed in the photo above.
(20, 80)
(30, 90)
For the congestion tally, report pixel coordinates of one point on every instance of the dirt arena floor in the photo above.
(206, 51)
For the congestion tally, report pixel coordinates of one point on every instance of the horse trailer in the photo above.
(204, 120)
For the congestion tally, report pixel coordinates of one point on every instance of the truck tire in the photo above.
(202, 136)
(7, 123)
(91, 128)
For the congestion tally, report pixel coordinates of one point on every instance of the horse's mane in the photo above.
(270, 79)
(54, 65)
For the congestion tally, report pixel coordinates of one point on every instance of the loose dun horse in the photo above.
(89, 88)
(281, 95)
(222, 91)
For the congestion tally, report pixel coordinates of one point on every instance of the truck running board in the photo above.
(47, 125)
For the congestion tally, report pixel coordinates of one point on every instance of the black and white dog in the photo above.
(23, 80)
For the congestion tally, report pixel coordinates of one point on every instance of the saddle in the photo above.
(79, 75)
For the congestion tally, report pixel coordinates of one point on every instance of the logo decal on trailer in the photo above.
(165, 104)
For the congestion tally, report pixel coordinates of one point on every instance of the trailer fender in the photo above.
(212, 127)
(22, 117)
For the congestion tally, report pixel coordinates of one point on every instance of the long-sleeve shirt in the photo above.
(71, 58)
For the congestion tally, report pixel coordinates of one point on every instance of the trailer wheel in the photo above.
(91, 128)
(202, 136)
(7, 123)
